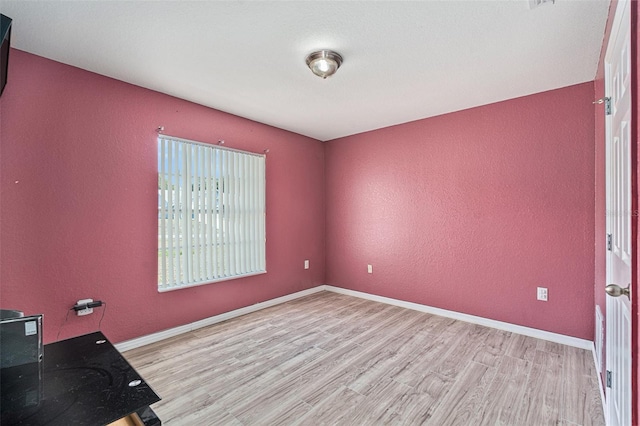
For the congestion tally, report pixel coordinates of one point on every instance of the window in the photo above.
(211, 213)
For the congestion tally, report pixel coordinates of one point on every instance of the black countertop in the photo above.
(84, 381)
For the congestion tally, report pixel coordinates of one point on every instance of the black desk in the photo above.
(84, 381)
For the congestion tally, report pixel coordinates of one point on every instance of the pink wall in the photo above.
(78, 202)
(471, 211)
(468, 211)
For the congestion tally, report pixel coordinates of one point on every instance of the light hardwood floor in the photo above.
(334, 359)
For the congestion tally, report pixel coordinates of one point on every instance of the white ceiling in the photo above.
(402, 60)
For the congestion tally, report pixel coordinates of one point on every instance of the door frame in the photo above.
(617, 10)
(635, 194)
(635, 116)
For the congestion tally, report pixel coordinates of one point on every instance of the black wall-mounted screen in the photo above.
(5, 33)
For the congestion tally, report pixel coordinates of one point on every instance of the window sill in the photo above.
(235, 277)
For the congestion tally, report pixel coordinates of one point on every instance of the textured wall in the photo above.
(468, 211)
(471, 211)
(78, 170)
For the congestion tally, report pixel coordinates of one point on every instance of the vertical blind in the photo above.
(211, 213)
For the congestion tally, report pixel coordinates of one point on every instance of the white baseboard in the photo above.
(527, 331)
(519, 329)
(600, 383)
(165, 334)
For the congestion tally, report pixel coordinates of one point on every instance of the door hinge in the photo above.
(608, 378)
(609, 242)
(607, 106)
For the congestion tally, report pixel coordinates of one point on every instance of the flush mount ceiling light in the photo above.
(324, 63)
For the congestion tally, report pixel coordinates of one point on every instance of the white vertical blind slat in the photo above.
(209, 216)
(249, 213)
(249, 222)
(177, 219)
(232, 213)
(244, 220)
(195, 203)
(174, 222)
(163, 183)
(202, 248)
(254, 216)
(225, 213)
(261, 221)
(239, 208)
(195, 218)
(222, 226)
(238, 212)
(214, 212)
(186, 215)
(202, 266)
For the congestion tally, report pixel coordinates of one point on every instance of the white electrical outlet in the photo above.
(370, 269)
(543, 294)
(85, 311)
(306, 264)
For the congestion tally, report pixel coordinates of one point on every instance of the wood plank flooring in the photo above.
(330, 359)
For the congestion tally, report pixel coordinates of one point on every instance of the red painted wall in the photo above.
(471, 211)
(78, 170)
(468, 211)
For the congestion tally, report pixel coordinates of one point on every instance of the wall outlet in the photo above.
(85, 311)
(306, 264)
(370, 269)
(543, 294)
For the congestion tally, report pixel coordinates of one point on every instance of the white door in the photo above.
(618, 175)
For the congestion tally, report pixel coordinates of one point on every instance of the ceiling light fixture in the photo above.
(324, 63)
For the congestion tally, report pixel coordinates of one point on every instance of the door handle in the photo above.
(615, 290)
